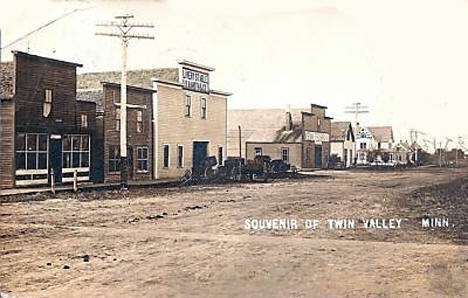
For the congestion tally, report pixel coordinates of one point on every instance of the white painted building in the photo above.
(342, 142)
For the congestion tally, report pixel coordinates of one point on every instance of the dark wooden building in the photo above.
(44, 129)
(139, 131)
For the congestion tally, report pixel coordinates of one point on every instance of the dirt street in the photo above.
(191, 242)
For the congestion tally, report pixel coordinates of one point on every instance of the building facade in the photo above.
(45, 131)
(303, 144)
(342, 142)
(188, 118)
(190, 121)
(371, 139)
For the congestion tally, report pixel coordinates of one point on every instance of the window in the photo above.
(139, 121)
(75, 151)
(379, 145)
(166, 156)
(84, 121)
(220, 155)
(47, 106)
(180, 156)
(363, 145)
(142, 159)
(117, 119)
(31, 151)
(285, 154)
(114, 159)
(258, 151)
(188, 106)
(203, 108)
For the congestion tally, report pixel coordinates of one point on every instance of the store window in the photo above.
(75, 151)
(31, 151)
(114, 159)
(258, 151)
(180, 156)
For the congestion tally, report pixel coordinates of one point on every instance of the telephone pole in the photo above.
(356, 109)
(124, 27)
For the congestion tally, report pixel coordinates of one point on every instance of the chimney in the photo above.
(288, 119)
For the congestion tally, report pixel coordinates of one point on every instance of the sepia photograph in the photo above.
(176, 148)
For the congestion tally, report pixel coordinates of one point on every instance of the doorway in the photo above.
(56, 158)
(318, 157)
(200, 152)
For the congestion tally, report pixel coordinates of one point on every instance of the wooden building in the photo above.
(44, 129)
(342, 142)
(139, 131)
(189, 119)
(302, 139)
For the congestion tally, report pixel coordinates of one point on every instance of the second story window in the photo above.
(318, 124)
(139, 121)
(47, 105)
(84, 121)
(117, 119)
(188, 106)
(363, 145)
(203, 108)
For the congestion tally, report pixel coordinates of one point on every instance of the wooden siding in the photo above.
(7, 144)
(134, 139)
(175, 129)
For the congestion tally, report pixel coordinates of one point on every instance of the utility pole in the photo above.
(124, 27)
(356, 109)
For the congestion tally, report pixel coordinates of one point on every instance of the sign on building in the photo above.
(195, 80)
(317, 137)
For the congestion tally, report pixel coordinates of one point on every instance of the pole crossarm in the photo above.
(124, 27)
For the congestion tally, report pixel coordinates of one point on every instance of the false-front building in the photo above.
(302, 141)
(187, 119)
(43, 128)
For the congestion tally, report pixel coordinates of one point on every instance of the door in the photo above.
(200, 152)
(130, 162)
(345, 158)
(56, 158)
(318, 157)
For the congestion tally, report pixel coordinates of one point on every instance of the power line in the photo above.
(356, 109)
(124, 27)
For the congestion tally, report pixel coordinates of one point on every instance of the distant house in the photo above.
(302, 139)
(342, 142)
(372, 138)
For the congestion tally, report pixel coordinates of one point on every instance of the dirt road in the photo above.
(191, 242)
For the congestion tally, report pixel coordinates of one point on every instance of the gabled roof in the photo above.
(381, 133)
(138, 78)
(339, 130)
(7, 78)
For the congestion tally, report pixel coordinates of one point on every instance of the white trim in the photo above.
(79, 178)
(31, 172)
(31, 182)
(71, 170)
(155, 117)
(183, 156)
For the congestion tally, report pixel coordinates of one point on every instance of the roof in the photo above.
(261, 125)
(92, 95)
(339, 130)
(277, 136)
(116, 85)
(381, 133)
(196, 65)
(142, 78)
(318, 106)
(7, 78)
(17, 53)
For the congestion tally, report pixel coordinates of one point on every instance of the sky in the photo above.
(406, 60)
